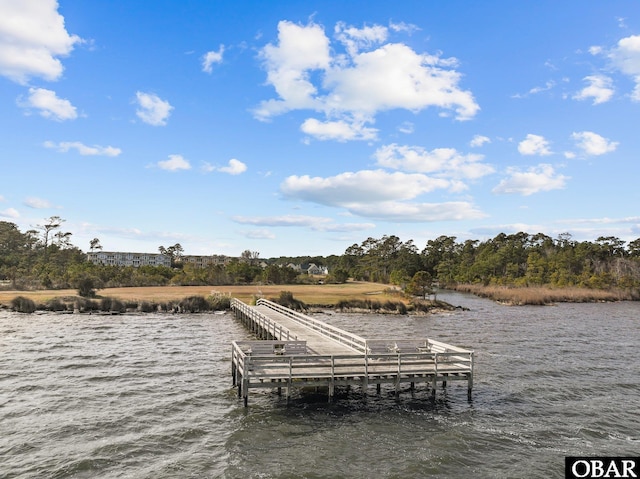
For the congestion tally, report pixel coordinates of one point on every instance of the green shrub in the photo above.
(194, 304)
(219, 301)
(287, 300)
(56, 304)
(112, 304)
(87, 286)
(147, 307)
(21, 304)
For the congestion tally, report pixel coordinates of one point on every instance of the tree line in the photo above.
(519, 259)
(44, 257)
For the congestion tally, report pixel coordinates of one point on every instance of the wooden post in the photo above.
(245, 381)
(365, 381)
(398, 376)
(470, 377)
(290, 380)
(233, 367)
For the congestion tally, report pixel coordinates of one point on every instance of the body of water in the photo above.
(150, 396)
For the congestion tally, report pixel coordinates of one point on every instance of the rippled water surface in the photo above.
(150, 396)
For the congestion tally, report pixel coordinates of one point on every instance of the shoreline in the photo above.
(318, 296)
(172, 298)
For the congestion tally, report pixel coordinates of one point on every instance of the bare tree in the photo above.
(175, 252)
(51, 224)
(250, 257)
(94, 244)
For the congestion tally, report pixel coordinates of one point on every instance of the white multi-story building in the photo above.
(111, 258)
(204, 261)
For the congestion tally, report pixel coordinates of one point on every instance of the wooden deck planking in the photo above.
(316, 342)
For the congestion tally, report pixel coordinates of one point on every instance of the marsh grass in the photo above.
(310, 294)
(112, 305)
(541, 295)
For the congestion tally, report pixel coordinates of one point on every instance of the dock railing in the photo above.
(443, 353)
(261, 369)
(351, 340)
(264, 322)
(278, 358)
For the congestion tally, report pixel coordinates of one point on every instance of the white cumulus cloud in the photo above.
(234, 167)
(355, 39)
(300, 50)
(440, 162)
(625, 56)
(210, 58)
(10, 213)
(339, 130)
(152, 109)
(174, 163)
(285, 220)
(379, 194)
(534, 145)
(479, 140)
(82, 149)
(599, 88)
(534, 180)
(593, 144)
(49, 105)
(350, 88)
(400, 212)
(363, 186)
(32, 38)
(316, 223)
(37, 203)
(395, 76)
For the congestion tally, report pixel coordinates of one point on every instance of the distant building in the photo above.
(313, 269)
(112, 258)
(204, 261)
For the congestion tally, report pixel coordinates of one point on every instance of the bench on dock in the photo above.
(436, 348)
(378, 347)
(295, 347)
(409, 346)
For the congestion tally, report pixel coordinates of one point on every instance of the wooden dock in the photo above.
(294, 350)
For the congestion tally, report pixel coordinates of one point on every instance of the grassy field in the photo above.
(325, 294)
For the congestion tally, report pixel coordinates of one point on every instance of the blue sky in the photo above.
(300, 128)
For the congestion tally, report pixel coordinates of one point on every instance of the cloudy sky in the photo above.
(294, 128)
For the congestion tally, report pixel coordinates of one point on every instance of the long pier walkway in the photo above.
(294, 350)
